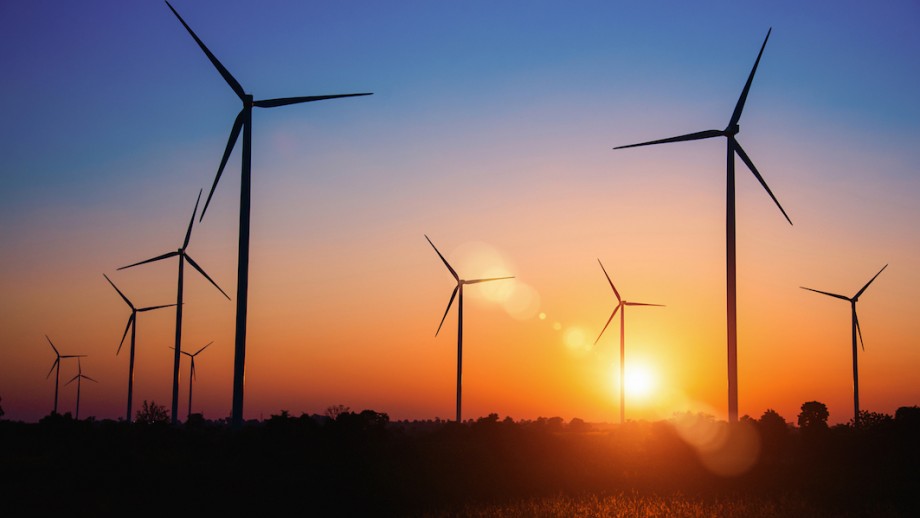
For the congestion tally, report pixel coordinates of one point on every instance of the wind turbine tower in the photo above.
(733, 148)
(621, 307)
(458, 289)
(243, 122)
(854, 324)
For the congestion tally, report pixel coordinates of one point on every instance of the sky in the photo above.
(490, 130)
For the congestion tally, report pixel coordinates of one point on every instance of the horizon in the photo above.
(491, 130)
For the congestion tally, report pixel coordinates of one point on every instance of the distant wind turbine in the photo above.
(132, 325)
(56, 367)
(734, 148)
(621, 307)
(79, 378)
(243, 122)
(458, 288)
(855, 330)
(183, 256)
(191, 376)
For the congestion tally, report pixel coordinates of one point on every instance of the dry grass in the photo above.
(634, 504)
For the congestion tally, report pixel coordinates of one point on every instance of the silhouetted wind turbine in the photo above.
(183, 256)
(856, 330)
(56, 366)
(621, 307)
(458, 288)
(132, 325)
(243, 122)
(734, 148)
(191, 376)
(79, 378)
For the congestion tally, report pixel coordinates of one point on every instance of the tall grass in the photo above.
(635, 504)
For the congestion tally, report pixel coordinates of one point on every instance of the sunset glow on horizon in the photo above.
(491, 131)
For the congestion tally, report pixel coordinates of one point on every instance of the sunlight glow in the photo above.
(576, 340)
(640, 381)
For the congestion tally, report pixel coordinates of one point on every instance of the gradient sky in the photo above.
(490, 129)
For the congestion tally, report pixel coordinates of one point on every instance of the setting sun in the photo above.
(640, 381)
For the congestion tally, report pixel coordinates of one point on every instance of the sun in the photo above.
(639, 381)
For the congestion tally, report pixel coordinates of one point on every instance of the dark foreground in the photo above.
(362, 464)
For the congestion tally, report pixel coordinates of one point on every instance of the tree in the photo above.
(872, 420)
(908, 416)
(813, 416)
(771, 421)
(1, 409)
(333, 411)
(152, 413)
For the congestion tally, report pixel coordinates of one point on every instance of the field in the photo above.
(361, 464)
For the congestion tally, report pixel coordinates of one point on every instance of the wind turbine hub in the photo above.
(732, 129)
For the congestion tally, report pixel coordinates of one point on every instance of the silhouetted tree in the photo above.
(872, 420)
(908, 416)
(774, 432)
(813, 416)
(772, 421)
(152, 413)
(578, 425)
(491, 419)
(1, 408)
(333, 411)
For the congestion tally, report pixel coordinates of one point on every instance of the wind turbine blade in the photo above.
(157, 258)
(206, 276)
(52, 346)
(181, 352)
(203, 348)
(826, 293)
(53, 365)
(690, 136)
(75, 378)
(739, 107)
(609, 320)
(194, 377)
(452, 272)
(88, 378)
(859, 331)
(615, 292)
(125, 334)
(234, 136)
(151, 308)
(642, 304)
(128, 302)
(73, 356)
(870, 282)
(188, 233)
(220, 68)
(452, 295)
(272, 103)
(747, 160)
(476, 281)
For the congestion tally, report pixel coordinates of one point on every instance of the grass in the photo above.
(634, 504)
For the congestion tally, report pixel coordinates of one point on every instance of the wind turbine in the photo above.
(734, 148)
(79, 378)
(132, 325)
(856, 330)
(243, 122)
(56, 366)
(191, 376)
(621, 307)
(183, 256)
(458, 288)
